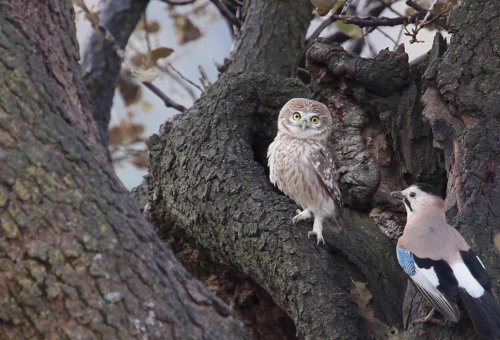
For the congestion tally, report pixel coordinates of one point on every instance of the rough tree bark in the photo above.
(214, 157)
(395, 126)
(208, 185)
(77, 260)
(462, 100)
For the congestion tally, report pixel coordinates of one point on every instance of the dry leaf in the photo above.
(141, 23)
(125, 133)
(153, 27)
(129, 89)
(157, 53)
(150, 27)
(142, 75)
(185, 30)
(353, 31)
(374, 327)
(139, 59)
(93, 18)
(115, 136)
(323, 6)
(146, 106)
(140, 160)
(496, 241)
(409, 11)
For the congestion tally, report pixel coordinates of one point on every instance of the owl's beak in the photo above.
(304, 125)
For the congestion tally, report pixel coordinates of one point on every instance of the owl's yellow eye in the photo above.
(296, 116)
(315, 120)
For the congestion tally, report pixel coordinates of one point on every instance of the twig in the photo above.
(387, 36)
(184, 78)
(427, 16)
(327, 22)
(415, 6)
(180, 82)
(168, 102)
(399, 37)
(204, 78)
(178, 2)
(346, 6)
(301, 69)
(413, 34)
(195, 8)
(370, 47)
(419, 8)
(147, 33)
(227, 14)
(389, 7)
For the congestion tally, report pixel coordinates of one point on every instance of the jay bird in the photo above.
(442, 265)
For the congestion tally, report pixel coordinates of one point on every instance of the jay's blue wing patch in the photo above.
(406, 260)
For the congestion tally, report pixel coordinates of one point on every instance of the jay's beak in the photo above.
(304, 125)
(398, 195)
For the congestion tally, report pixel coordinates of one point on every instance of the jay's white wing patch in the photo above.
(427, 283)
(466, 280)
(440, 290)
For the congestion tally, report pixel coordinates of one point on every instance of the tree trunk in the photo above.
(461, 99)
(77, 258)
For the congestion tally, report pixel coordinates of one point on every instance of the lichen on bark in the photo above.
(77, 259)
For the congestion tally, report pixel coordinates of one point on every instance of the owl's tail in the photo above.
(336, 223)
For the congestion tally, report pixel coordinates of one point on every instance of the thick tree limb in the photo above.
(237, 217)
(361, 91)
(227, 14)
(261, 46)
(77, 259)
(100, 64)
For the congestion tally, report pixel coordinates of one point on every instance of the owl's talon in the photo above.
(301, 215)
(319, 236)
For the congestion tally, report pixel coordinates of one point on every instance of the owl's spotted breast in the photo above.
(293, 174)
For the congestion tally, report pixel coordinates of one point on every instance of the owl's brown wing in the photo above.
(322, 162)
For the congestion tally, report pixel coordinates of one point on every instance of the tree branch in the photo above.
(178, 2)
(383, 21)
(261, 46)
(166, 99)
(227, 14)
(121, 54)
(100, 63)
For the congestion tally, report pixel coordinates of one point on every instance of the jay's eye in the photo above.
(412, 194)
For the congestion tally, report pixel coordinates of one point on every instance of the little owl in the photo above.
(302, 167)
